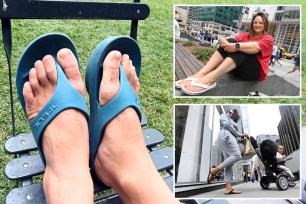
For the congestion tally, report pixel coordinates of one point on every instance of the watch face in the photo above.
(237, 45)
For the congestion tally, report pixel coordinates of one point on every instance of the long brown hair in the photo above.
(266, 24)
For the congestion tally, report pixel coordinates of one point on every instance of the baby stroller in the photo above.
(272, 174)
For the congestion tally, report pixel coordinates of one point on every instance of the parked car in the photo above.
(285, 54)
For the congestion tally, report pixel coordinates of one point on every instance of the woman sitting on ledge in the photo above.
(248, 55)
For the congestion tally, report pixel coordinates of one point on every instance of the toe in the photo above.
(28, 93)
(70, 66)
(50, 69)
(41, 74)
(126, 63)
(34, 81)
(69, 63)
(110, 78)
(134, 80)
(29, 99)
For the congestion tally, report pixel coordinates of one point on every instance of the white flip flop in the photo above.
(177, 85)
(205, 88)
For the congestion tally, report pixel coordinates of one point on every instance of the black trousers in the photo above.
(247, 65)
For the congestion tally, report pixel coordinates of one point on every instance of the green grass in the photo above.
(155, 40)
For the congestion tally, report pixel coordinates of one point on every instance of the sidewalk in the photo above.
(281, 71)
(241, 201)
(253, 190)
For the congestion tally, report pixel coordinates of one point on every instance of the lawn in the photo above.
(156, 44)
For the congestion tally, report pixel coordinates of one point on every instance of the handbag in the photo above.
(249, 150)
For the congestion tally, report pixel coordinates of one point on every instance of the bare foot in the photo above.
(183, 82)
(65, 139)
(122, 160)
(206, 80)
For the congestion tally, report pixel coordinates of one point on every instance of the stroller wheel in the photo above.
(281, 183)
(291, 183)
(264, 183)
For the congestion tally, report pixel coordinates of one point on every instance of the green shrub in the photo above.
(188, 44)
(203, 53)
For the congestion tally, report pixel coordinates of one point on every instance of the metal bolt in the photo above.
(25, 165)
(4, 8)
(166, 156)
(23, 142)
(138, 11)
(30, 196)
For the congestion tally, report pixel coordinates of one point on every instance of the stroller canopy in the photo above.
(268, 149)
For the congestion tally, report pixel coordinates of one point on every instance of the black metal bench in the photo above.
(27, 163)
(25, 167)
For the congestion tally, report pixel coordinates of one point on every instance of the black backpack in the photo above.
(268, 150)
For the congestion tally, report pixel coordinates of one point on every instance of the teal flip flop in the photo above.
(64, 96)
(100, 116)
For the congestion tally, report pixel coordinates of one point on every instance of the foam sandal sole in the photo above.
(100, 116)
(64, 96)
(194, 93)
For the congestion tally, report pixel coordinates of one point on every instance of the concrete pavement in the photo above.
(281, 71)
(253, 190)
(241, 201)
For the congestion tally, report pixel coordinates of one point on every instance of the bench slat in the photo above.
(152, 137)
(34, 194)
(24, 143)
(26, 167)
(31, 194)
(20, 143)
(162, 158)
(169, 182)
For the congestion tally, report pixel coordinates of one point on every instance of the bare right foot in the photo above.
(122, 160)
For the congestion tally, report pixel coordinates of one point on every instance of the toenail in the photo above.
(47, 57)
(64, 54)
(117, 55)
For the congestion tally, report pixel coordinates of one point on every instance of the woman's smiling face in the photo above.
(258, 25)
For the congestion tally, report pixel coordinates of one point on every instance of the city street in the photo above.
(253, 190)
(281, 71)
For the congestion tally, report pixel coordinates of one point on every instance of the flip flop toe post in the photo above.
(100, 116)
(64, 96)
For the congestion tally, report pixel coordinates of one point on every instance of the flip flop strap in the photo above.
(65, 96)
(126, 97)
(193, 83)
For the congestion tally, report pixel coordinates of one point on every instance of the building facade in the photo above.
(287, 32)
(289, 133)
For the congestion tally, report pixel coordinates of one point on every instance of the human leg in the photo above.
(212, 63)
(245, 66)
(231, 154)
(66, 150)
(122, 160)
(286, 169)
(216, 59)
